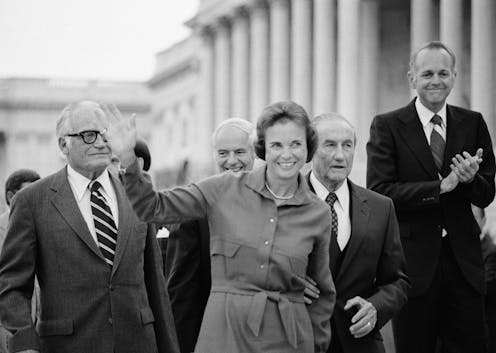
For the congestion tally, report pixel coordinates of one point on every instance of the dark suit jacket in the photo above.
(86, 306)
(373, 267)
(400, 165)
(188, 279)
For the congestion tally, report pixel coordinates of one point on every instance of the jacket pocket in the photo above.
(147, 316)
(55, 327)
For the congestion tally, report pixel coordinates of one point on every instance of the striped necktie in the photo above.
(437, 142)
(105, 228)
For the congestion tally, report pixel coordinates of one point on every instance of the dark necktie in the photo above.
(437, 143)
(330, 200)
(106, 231)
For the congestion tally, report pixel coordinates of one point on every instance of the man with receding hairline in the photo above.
(435, 160)
(366, 258)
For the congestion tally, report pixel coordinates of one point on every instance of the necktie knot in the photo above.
(94, 186)
(436, 120)
(331, 198)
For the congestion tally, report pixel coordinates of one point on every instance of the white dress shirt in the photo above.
(426, 115)
(79, 185)
(341, 206)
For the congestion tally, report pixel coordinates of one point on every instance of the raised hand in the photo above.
(120, 133)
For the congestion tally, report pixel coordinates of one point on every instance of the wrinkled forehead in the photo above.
(88, 116)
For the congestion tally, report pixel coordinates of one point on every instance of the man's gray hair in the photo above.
(63, 122)
(242, 124)
(333, 116)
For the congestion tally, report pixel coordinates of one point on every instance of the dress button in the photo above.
(271, 220)
(262, 267)
(266, 242)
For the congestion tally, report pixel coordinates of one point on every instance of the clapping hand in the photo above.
(120, 133)
(465, 167)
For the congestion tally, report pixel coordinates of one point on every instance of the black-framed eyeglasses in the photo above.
(88, 136)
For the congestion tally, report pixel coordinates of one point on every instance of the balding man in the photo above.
(366, 257)
(98, 265)
(188, 254)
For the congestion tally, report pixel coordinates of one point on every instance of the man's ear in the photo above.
(141, 162)
(9, 195)
(63, 145)
(411, 79)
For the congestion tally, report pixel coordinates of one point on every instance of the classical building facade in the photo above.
(29, 109)
(349, 56)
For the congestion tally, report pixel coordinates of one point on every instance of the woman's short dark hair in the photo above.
(282, 112)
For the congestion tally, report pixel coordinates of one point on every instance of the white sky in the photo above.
(100, 39)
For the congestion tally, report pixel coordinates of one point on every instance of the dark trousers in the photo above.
(491, 315)
(449, 314)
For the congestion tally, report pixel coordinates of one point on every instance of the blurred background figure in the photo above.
(15, 182)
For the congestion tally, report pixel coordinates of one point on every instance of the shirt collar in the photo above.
(425, 114)
(342, 193)
(80, 182)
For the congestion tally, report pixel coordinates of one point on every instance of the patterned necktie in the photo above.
(330, 200)
(106, 231)
(437, 142)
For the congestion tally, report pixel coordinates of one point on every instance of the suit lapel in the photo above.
(359, 214)
(125, 221)
(64, 201)
(413, 133)
(455, 138)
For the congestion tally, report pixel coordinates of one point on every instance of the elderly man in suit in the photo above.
(98, 265)
(435, 160)
(188, 250)
(366, 257)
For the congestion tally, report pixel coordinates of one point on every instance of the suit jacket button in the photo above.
(111, 287)
(110, 321)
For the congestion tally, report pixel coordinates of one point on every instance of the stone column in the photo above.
(301, 54)
(422, 23)
(222, 71)
(204, 117)
(367, 94)
(280, 50)
(451, 33)
(240, 56)
(324, 55)
(259, 52)
(369, 65)
(482, 65)
(348, 39)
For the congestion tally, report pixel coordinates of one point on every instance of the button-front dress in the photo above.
(260, 252)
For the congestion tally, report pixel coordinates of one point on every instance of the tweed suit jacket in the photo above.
(86, 306)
